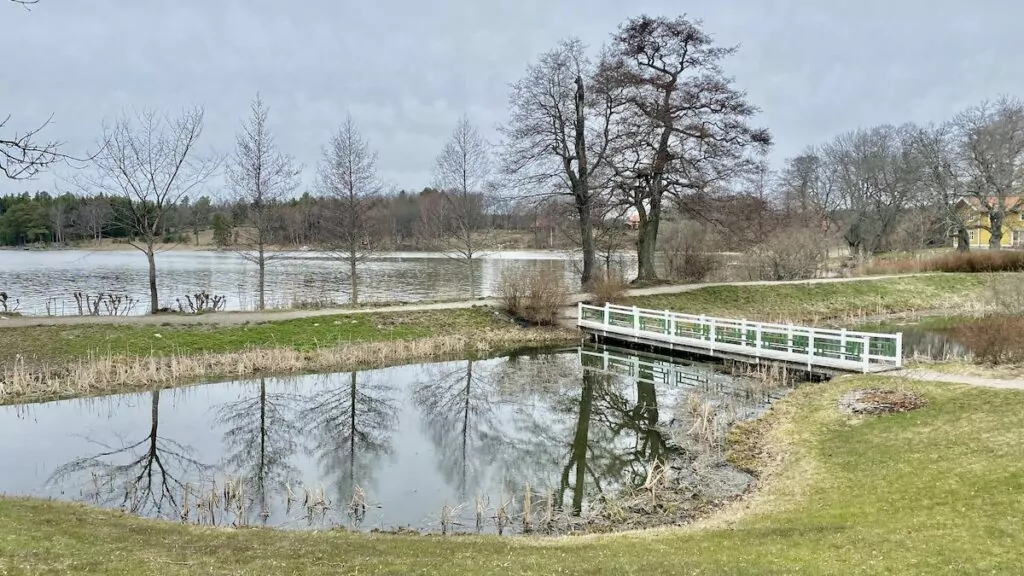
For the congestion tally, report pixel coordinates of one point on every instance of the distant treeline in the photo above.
(402, 220)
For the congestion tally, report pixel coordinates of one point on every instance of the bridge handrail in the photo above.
(853, 349)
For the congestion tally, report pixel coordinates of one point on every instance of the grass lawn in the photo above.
(47, 343)
(936, 491)
(830, 301)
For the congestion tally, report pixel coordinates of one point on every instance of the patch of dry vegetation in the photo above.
(973, 262)
(106, 374)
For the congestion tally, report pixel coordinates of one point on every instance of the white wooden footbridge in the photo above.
(813, 349)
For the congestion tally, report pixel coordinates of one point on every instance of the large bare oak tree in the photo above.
(991, 142)
(685, 127)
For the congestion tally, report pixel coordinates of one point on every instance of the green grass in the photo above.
(818, 302)
(47, 343)
(936, 491)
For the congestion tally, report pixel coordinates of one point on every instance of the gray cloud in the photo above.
(407, 70)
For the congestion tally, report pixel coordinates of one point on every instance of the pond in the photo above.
(449, 446)
(44, 281)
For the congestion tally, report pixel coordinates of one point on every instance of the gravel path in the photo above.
(928, 376)
(234, 318)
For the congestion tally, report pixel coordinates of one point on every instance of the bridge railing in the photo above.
(844, 349)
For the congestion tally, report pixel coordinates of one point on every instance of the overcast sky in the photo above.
(407, 69)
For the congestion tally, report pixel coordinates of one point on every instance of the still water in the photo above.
(390, 448)
(45, 281)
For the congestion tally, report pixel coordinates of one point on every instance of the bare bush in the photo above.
(608, 290)
(201, 303)
(8, 308)
(535, 296)
(686, 248)
(103, 304)
(995, 339)
(791, 254)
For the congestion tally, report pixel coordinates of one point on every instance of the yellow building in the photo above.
(977, 221)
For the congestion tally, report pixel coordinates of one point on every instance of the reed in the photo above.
(528, 509)
(357, 505)
(98, 374)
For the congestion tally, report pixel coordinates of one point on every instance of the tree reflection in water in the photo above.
(260, 438)
(457, 406)
(350, 422)
(146, 477)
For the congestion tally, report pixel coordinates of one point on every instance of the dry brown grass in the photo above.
(974, 262)
(96, 375)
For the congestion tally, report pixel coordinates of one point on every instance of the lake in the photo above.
(451, 446)
(44, 281)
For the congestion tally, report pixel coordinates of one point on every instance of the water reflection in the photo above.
(261, 434)
(146, 476)
(472, 437)
(349, 422)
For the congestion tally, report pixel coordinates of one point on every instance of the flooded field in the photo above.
(506, 444)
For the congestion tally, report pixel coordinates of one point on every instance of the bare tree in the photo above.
(557, 139)
(991, 141)
(94, 217)
(807, 190)
(259, 177)
(348, 177)
(461, 172)
(878, 176)
(685, 125)
(150, 159)
(945, 178)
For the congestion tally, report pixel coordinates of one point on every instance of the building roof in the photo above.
(1013, 203)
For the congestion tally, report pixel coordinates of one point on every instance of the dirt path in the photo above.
(928, 376)
(234, 318)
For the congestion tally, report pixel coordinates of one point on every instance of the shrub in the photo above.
(536, 296)
(974, 262)
(791, 254)
(686, 250)
(993, 339)
(608, 290)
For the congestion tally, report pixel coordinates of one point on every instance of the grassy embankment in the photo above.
(935, 491)
(42, 362)
(840, 302)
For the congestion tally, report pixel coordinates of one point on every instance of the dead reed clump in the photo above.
(100, 374)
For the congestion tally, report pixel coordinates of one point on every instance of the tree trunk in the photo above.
(262, 262)
(995, 240)
(646, 245)
(963, 239)
(353, 279)
(154, 300)
(587, 241)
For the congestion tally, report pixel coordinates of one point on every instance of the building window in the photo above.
(971, 235)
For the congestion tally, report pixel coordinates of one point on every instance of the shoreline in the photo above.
(122, 374)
